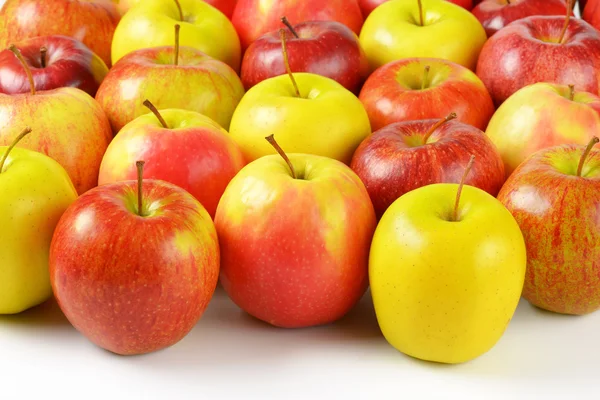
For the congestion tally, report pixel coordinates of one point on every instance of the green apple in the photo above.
(150, 24)
(36, 191)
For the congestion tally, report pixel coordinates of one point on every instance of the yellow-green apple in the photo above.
(325, 48)
(423, 88)
(543, 115)
(133, 265)
(555, 197)
(203, 27)
(295, 235)
(170, 77)
(591, 12)
(92, 22)
(405, 156)
(70, 127)
(124, 5)
(55, 61)
(422, 28)
(496, 14)
(446, 268)
(254, 18)
(182, 147)
(367, 6)
(311, 114)
(36, 191)
(541, 49)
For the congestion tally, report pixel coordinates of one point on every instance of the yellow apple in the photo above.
(124, 5)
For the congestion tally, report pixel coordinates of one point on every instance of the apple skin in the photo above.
(133, 284)
(402, 157)
(540, 116)
(254, 18)
(225, 6)
(198, 83)
(558, 215)
(367, 6)
(393, 93)
(195, 154)
(591, 13)
(69, 63)
(325, 48)
(295, 251)
(496, 14)
(515, 56)
(92, 22)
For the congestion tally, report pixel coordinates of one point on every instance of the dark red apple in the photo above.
(405, 156)
(367, 6)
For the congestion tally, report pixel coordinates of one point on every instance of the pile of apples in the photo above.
(299, 152)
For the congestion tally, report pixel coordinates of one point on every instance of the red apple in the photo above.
(534, 49)
(92, 22)
(134, 282)
(405, 156)
(424, 88)
(254, 18)
(555, 197)
(225, 6)
(369, 5)
(591, 13)
(325, 48)
(496, 14)
(55, 61)
(190, 150)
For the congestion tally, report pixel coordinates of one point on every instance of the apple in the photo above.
(70, 127)
(133, 265)
(182, 147)
(540, 116)
(295, 234)
(225, 6)
(422, 28)
(423, 88)
(540, 49)
(170, 77)
(55, 61)
(36, 191)
(555, 196)
(446, 268)
(591, 13)
(325, 48)
(405, 156)
(367, 6)
(92, 22)
(496, 14)
(150, 24)
(254, 18)
(308, 114)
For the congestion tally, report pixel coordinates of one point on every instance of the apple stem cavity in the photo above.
(567, 19)
(421, 19)
(571, 92)
(441, 122)
(24, 133)
(290, 27)
(286, 62)
(140, 181)
(179, 9)
(19, 56)
(508, 2)
(273, 142)
(586, 153)
(176, 51)
(460, 188)
(43, 51)
(155, 111)
(425, 77)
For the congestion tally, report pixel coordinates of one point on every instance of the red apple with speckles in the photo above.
(531, 50)
(496, 14)
(295, 245)
(424, 88)
(405, 156)
(369, 5)
(591, 13)
(324, 48)
(134, 282)
(555, 198)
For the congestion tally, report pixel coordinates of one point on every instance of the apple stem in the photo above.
(286, 62)
(43, 51)
(567, 19)
(25, 132)
(140, 180)
(460, 188)
(179, 9)
(289, 26)
(441, 122)
(571, 92)
(176, 55)
(425, 77)
(586, 153)
(421, 12)
(154, 110)
(508, 2)
(19, 56)
(273, 142)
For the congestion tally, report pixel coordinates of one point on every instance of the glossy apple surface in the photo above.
(367, 6)
(225, 6)
(591, 13)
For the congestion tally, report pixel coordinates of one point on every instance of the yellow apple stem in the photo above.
(567, 19)
(586, 153)
(154, 110)
(460, 188)
(421, 19)
(25, 132)
(425, 77)
(43, 51)
(176, 52)
(18, 54)
(571, 92)
(140, 181)
(179, 9)
(273, 142)
(441, 122)
(289, 26)
(286, 62)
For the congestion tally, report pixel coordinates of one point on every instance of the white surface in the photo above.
(229, 355)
